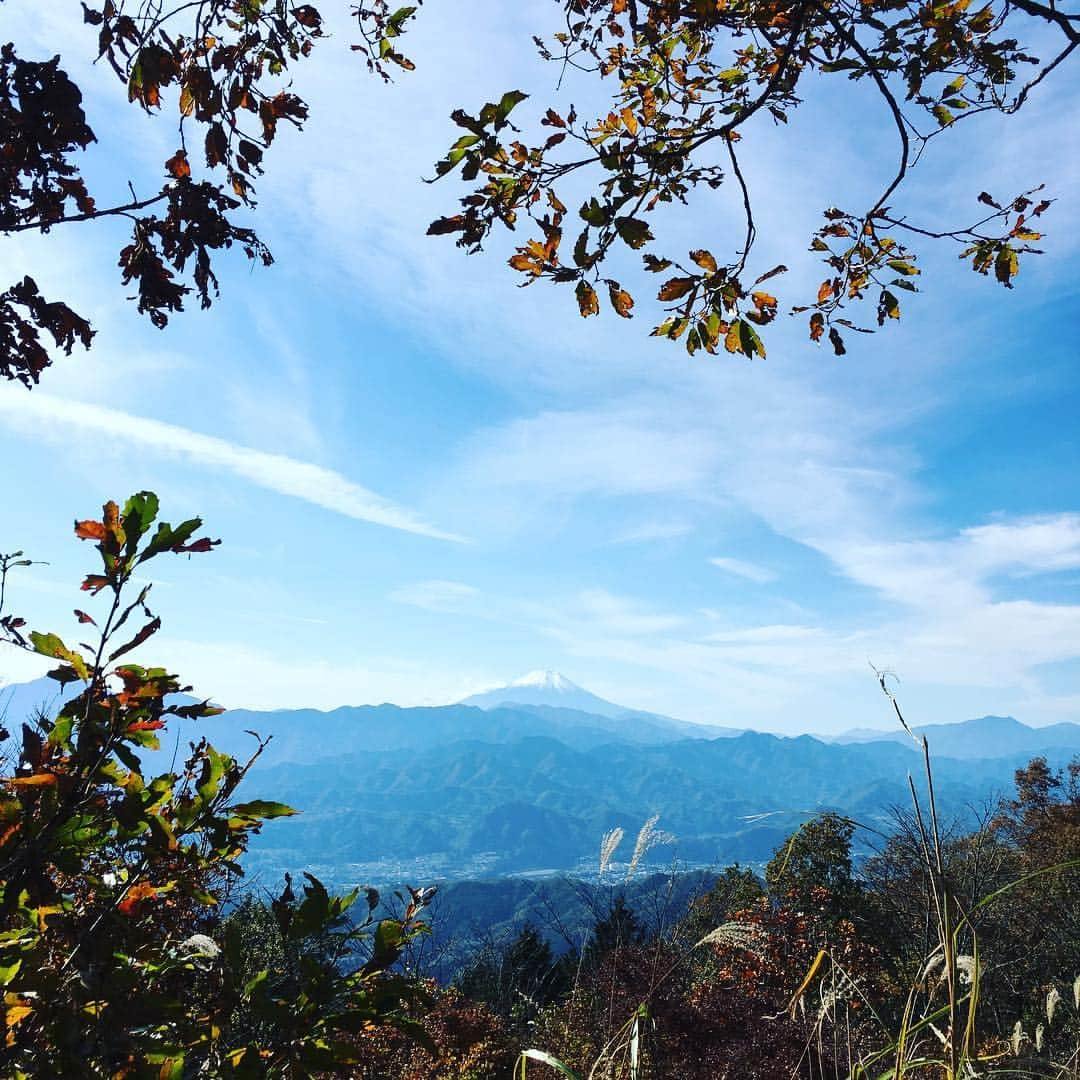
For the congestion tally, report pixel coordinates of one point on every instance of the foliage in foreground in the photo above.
(128, 950)
(113, 958)
(688, 85)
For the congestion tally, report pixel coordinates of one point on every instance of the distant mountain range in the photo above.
(496, 785)
(986, 737)
(551, 691)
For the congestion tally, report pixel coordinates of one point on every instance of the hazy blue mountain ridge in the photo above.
(456, 790)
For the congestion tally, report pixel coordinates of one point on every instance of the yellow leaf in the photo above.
(705, 260)
(818, 961)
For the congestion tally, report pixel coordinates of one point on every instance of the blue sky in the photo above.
(428, 481)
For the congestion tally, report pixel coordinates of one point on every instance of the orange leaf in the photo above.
(824, 292)
(135, 895)
(621, 301)
(177, 166)
(146, 725)
(44, 779)
(89, 530)
(523, 263)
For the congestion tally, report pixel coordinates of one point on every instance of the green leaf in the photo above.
(51, 645)
(593, 213)
(139, 513)
(214, 769)
(314, 912)
(261, 808)
(902, 267)
(742, 337)
(508, 102)
(546, 1059)
(633, 231)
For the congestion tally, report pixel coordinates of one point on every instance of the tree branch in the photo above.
(113, 211)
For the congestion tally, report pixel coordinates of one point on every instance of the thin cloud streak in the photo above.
(743, 569)
(274, 472)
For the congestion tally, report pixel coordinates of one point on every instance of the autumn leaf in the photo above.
(307, 16)
(588, 304)
(138, 892)
(42, 779)
(621, 300)
(1006, 266)
(442, 226)
(525, 264)
(742, 337)
(705, 260)
(177, 166)
(146, 725)
(90, 530)
(888, 307)
(901, 266)
(676, 287)
(824, 292)
(817, 326)
(781, 269)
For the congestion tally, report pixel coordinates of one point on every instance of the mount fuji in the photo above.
(549, 692)
(547, 688)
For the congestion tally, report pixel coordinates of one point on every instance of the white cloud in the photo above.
(451, 597)
(777, 633)
(611, 614)
(740, 568)
(649, 531)
(275, 472)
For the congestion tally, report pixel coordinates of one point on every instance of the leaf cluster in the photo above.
(112, 876)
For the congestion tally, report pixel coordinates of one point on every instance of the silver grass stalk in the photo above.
(649, 837)
(1052, 999)
(609, 844)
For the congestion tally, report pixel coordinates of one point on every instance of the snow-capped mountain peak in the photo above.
(545, 687)
(546, 680)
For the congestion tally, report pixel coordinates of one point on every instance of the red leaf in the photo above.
(203, 544)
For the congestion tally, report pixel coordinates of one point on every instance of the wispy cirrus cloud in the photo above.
(450, 597)
(741, 568)
(275, 472)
